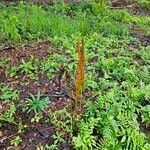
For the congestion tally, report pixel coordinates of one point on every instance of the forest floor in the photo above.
(39, 66)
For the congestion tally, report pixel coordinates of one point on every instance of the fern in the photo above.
(79, 74)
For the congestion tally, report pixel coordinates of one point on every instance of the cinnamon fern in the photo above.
(79, 73)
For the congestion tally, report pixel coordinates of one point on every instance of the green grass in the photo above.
(117, 69)
(31, 22)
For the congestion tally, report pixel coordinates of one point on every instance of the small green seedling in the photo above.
(16, 141)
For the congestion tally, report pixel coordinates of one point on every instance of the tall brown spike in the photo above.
(80, 71)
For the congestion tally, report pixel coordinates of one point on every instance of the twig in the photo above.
(8, 48)
(52, 95)
(5, 138)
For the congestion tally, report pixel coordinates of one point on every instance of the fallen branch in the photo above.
(52, 95)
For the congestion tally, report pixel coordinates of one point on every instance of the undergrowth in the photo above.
(116, 72)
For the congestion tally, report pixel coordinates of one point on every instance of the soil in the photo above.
(141, 36)
(42, 134)
(145, 128)
(134, 8)
(119, 3)
(55, 89)
(137, 10)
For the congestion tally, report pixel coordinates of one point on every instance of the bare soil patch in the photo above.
(55, 89)
(134, 7)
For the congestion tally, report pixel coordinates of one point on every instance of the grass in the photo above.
(116, 95)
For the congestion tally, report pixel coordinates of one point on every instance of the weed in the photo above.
(9, 114)
(58, 138)
(62, 119)
(36, 118)
(116, 85)
(85, 140)
(36, 103)
(47, 147)
(49, 66)
(146, 114)
(30, 66)
(8, 94)
(3, 62)
(145, 4)
(40, 148)
(16, 141)
(51, 147)
(11, 72)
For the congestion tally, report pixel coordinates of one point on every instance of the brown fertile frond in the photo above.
(80, 68)
(76, 95)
